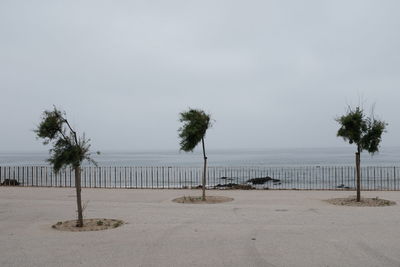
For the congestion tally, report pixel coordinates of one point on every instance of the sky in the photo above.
(272, 74)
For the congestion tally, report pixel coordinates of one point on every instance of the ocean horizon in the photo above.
(388, 156)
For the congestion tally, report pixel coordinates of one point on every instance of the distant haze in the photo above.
(273, 74)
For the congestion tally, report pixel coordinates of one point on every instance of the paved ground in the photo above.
(259, 228)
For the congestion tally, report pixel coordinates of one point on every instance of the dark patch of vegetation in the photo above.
(119, 223)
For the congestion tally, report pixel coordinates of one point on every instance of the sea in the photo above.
(340, 156)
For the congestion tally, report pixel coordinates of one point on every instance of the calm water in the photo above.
(389, 156)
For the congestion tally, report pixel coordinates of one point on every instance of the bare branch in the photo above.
(72, 131)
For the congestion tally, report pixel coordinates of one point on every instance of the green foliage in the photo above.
(365, 132)
(68, 149)
(66, 153)
(195, 125)
(51, 126)
(117, 224)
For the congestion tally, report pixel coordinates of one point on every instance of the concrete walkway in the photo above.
(259, 228)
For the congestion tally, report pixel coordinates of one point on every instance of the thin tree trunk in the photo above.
(358, 170)
(78, 196)
(204, 172)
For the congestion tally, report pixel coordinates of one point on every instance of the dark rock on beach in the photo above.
(342, 186)
(234, 186)
(10, 182)
(226, 178)
(262, 180)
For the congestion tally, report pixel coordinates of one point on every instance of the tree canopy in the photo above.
(365, 132)
(195, 125)
(68, 149)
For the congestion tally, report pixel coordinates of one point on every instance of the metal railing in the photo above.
(302, 178)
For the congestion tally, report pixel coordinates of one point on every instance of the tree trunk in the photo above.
(79, 223)
(203, 197)
(358, 170)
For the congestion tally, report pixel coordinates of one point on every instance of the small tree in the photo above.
(68, 149)
(364, 132)
(195, 125)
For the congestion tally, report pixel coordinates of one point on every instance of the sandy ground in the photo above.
(258, 228)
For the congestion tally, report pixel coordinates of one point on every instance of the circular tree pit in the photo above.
(365, 202)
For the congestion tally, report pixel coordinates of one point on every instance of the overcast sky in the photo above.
(273, 74)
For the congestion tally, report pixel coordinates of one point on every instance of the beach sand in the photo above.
(258, 228)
